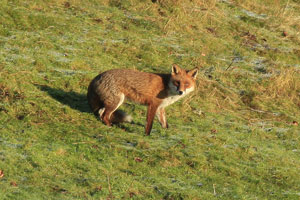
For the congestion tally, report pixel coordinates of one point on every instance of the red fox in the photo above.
(108, 90)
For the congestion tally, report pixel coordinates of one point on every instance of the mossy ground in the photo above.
(236, 137)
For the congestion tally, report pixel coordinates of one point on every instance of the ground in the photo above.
(235, 137)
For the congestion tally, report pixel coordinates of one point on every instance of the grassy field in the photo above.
(235, 137)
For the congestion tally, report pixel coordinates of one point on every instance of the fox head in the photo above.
(182, 81)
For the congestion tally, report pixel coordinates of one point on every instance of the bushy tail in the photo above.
(120, 116)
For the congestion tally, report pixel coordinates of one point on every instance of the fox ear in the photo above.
(175, 69)
(193, 73)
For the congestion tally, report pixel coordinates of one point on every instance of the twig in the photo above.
(84, 142)
(261, 111)
(214, 186)
(109, 188)
(284, 10)
(230, 64)
(167, 23)
(232, 61)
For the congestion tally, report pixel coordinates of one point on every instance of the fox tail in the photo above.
(119, 116)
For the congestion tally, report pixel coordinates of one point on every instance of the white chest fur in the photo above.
(170, 100)
(173, 98)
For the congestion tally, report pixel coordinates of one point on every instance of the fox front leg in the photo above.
(161, 115)
(152, 108)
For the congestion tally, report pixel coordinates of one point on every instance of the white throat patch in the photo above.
(173, 95)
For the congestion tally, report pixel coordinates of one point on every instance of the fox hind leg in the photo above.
(101, 112)
(110, 107)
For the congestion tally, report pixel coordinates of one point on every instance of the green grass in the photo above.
(236, 137)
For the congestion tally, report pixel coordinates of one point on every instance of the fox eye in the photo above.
(176, 83)
(186, 84)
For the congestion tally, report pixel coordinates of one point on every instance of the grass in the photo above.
(236, 137)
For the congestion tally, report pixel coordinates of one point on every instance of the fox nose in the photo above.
(180, 92)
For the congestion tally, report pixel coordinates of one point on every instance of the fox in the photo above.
(108, 90)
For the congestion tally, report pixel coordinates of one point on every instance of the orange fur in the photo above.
(107, 91)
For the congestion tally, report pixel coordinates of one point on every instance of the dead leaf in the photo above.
(98, 20)
(213, 131)
(131, 194)
(13, 183)
(67, 5)
(137, 159)
(98, 188)
(1, 173)
(284, 33)
(295, 123)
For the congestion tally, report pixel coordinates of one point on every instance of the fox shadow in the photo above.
(72, 99)
(76, 101)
